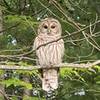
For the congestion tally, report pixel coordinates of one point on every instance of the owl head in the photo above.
(50, 27)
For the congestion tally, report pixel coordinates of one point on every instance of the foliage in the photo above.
(20, 21)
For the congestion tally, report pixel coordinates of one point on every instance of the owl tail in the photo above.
(50, 79)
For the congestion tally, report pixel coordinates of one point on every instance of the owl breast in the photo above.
(50, 54)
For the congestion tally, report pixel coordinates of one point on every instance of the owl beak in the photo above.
(49, 31)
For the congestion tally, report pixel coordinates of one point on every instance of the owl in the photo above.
(51, 54)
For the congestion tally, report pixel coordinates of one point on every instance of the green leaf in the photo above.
(17, 82)
(65, 71)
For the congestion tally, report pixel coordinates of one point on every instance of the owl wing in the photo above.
(36, 43)
(35, 46)
(62, 47)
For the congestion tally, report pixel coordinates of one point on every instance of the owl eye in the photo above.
(53, 27)
(45, 26)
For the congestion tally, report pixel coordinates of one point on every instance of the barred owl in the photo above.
(51, 54)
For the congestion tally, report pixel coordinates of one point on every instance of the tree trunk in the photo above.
(2, 93)
(26, 91)
(1, 21)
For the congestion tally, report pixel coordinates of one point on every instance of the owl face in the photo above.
(50, 27)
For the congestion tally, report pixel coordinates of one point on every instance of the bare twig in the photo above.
(5, 96)
(95, 45)
(77, 5)
(57, 5)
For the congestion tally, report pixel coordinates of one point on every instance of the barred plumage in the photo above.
(50, 54)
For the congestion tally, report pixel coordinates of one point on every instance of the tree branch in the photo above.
(62, 65)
